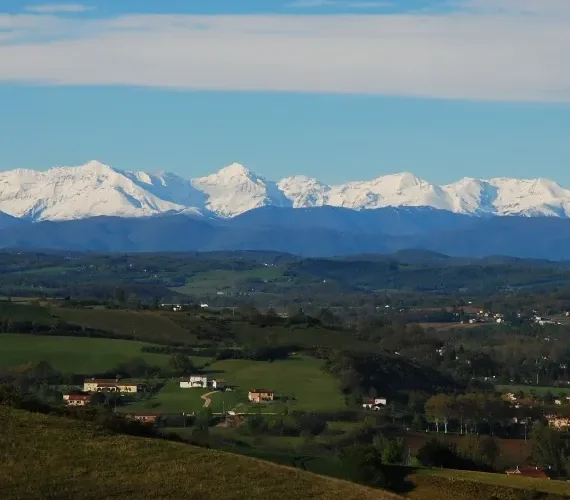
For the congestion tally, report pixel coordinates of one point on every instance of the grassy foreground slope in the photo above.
(45, 457)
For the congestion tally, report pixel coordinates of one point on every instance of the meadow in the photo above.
(443, 484)
(25, 310)
(299, 383)
(534, 389)
(75, 354)
(143, 325)
(173, 400)
(101, 466)
(211, 282)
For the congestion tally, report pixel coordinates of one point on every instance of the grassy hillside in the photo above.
(533, 389)
(149, 326)
(74, 354)
(299, 383)
(70, 460)
(438, 484)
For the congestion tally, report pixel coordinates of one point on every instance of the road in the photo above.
(206, 398)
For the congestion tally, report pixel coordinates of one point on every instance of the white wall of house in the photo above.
(195, 381)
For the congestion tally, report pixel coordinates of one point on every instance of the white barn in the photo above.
(194, 381)
(374, 403)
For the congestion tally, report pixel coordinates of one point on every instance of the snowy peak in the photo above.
(96, 189)
(234, 190)
(234, 170)
(89, 190)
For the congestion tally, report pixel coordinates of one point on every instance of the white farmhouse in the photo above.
(374, 403)
(194, 381)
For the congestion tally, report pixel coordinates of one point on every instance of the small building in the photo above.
(219, 384)
(145, 418)
(77, 399)
(194, 381)
(529, 471)
(374, 403)
(260, 395)
(109, 385)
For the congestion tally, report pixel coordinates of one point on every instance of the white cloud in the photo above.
(340, 3)
(542, 7)
(475, 56)
(58, 8)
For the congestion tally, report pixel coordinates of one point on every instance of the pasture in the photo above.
(173, 400)
(19, 310)
(299, 383)
(74, 354)
(443, 484)
(534, 389)
(142, 325)
(210, 282)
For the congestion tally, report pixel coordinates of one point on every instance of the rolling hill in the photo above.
(51, 458)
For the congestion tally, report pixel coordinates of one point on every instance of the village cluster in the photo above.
(92, 386)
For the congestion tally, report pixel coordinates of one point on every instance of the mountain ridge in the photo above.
(95, 189)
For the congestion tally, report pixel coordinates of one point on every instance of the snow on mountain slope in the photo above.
(95, 189)
(77, 192)
(304, 192)
(502, 196)
(234, 190)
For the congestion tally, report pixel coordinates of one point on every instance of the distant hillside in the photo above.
(50, 458)
(309, 232)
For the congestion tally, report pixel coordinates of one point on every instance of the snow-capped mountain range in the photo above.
(95, 189)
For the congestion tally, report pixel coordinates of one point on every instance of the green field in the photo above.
(432, 484)
(174, 400)
(144, 325)
(75, 354)
(88, 464)
(17, 310)
(300, 378)
(210, 282)
(534, 389)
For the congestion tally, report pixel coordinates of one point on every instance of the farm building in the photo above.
(109, 385)
(260, 395)
(530, 471)
(77, 399)
(194, 381)
(219, 384)
(374, 403)
(146, 417)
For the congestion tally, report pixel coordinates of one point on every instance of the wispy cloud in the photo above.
(58, 8)
(535, 7)
(354, 4)
(483, 55)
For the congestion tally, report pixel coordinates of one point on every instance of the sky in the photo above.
(336, 89)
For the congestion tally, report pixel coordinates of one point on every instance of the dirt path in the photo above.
(206, 398)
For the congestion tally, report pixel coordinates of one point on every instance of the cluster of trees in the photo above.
(473, 453)
(370, 374)
(548, 448)
(473, 413)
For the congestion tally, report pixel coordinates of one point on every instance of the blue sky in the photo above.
(335, 89)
